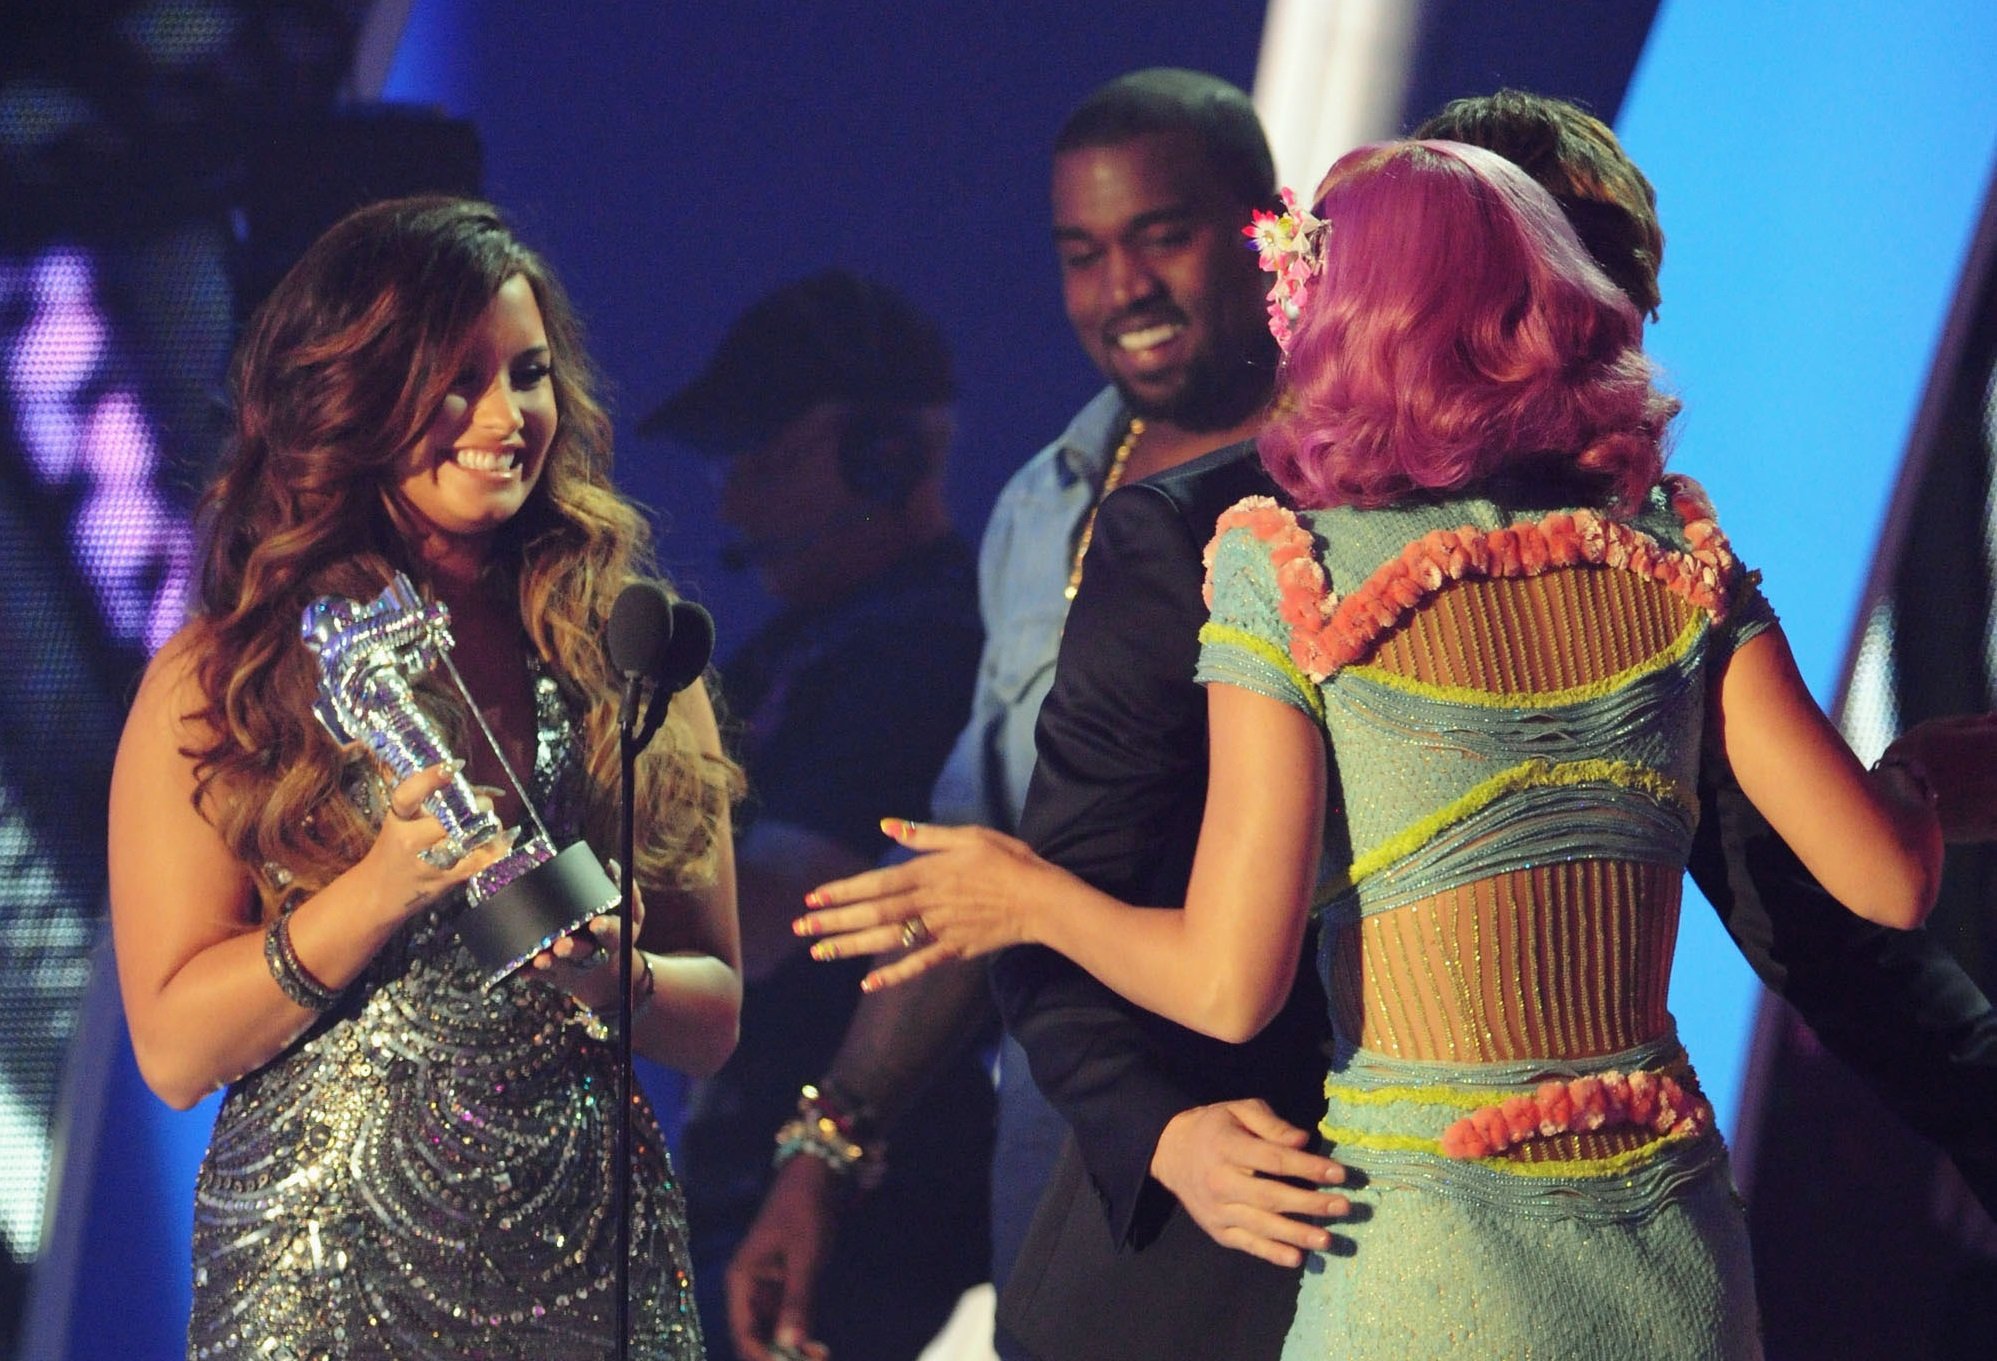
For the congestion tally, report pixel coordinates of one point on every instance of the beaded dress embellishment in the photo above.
(426, 1174)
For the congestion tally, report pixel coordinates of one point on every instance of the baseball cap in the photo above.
(830, 337)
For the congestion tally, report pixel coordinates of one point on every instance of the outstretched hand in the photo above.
(971, 892)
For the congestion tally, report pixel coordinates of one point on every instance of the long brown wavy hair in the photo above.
(340, 374)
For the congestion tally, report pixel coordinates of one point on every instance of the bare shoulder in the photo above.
(696, 709)
(164, 725)
(170, 692)
(696, 704)
(167, 860)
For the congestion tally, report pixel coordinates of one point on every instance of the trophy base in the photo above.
(505, 929)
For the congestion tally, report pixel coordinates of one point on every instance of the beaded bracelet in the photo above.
(292, 976)
(648, 988)
(835, 1132)
(596, 1020)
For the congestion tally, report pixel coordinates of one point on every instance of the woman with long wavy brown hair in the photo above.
(407, 1162)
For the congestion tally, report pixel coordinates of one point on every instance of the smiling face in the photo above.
(485, 449)
(1157, 279)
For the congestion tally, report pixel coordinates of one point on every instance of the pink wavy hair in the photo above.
(1458, 330)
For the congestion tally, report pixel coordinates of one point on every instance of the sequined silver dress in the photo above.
(426, 1174)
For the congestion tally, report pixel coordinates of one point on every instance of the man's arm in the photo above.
(1892, 1004)
(1116, 799)
(895, 1043)
(845, 759)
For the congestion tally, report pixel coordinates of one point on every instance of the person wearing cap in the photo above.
(827, 409)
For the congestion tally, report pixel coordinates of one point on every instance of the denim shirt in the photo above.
(1023, 568)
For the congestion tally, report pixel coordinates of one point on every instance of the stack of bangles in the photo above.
(292, 976)
(835, 1131)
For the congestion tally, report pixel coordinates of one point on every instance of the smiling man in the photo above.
(1154, 176)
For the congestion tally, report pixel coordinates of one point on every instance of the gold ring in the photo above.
(915, 931)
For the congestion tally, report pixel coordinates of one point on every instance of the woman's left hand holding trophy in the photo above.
(582, 963)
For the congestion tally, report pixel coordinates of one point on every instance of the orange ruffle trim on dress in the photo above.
(1652, 1101)
(1328, 633)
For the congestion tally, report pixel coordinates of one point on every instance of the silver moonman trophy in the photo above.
(368, 656)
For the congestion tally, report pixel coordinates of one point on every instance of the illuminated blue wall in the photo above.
(1818, 170)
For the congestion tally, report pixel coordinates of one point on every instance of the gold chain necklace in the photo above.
(1111, 480)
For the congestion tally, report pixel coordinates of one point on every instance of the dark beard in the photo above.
(1220, 391)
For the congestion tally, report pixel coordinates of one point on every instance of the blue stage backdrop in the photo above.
(1818, 175)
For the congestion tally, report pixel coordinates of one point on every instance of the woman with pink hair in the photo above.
(1458, 679)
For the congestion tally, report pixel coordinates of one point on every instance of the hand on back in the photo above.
(1956, 758)
(1235, 1165)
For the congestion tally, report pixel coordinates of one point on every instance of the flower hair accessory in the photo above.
(1291, 247)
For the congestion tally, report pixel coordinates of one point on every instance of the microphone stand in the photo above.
(691, 634)
(630, 744)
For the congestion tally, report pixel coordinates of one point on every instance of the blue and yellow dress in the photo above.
(1513, 694)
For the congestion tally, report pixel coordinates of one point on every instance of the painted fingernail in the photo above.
(815, 898)
(896, 828)
(870, 984)
(823, 951)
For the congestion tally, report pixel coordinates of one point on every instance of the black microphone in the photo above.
(639, 639)
(692, 648)
(680, 663)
